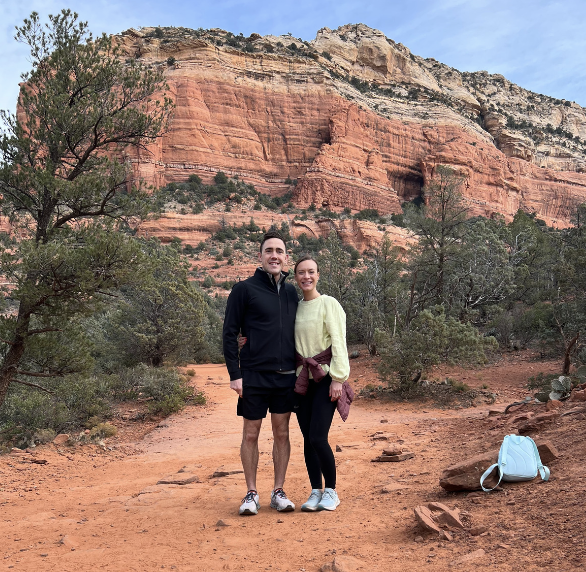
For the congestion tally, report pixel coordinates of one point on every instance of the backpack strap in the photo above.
(543, 470)
(486, 473)
(500, 464)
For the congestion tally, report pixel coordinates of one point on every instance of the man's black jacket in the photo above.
(266, 317)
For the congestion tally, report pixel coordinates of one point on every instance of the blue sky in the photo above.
(538, 44)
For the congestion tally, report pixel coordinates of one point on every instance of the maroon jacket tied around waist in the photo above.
(313, 364)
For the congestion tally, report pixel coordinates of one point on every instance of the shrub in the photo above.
(103, 431)
(171, 61)
(208, 282)
(430, 340)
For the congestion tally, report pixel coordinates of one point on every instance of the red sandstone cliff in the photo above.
(268, 112)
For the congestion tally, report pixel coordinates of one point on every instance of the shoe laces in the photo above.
(250, 496)
(280, 493)
(328, 494)
(315, 494)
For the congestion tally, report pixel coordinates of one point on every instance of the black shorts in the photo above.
(256, 401)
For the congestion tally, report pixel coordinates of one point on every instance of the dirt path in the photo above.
(103, 510)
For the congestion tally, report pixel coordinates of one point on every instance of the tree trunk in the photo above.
(567, 354)
(15, 353)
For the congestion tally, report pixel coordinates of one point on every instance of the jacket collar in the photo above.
(260, 272)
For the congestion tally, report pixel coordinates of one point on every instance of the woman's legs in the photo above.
(315, 415)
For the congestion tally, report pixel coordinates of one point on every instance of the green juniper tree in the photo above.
(64, 186)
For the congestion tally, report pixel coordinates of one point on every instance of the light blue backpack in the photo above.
(518, 461)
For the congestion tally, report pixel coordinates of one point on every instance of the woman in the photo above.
(323, 368)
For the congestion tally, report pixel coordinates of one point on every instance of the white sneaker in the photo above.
(329, 500)
(250, 504)
(280, 501)
(312, 501)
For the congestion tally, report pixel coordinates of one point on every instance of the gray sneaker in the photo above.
(250, 503)
(329, 500)
(280, 501)
(311, 504)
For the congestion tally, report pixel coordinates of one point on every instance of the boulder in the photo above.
(465, 475)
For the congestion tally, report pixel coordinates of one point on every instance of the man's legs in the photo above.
(249, 451)
(281, 446)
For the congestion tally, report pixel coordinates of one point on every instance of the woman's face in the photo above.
(307, 275)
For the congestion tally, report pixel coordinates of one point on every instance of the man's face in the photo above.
(273, 256)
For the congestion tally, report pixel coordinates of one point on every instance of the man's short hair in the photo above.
(273, 234)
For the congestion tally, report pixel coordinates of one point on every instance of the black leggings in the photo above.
(315, 414)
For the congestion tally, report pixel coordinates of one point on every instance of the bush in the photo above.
(208, 282)
(430, 340)
(103, 431)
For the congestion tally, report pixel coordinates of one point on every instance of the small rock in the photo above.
(418, 539)
(553, 404)
(445, 515)
(445, 535)
(39, 461)
(503, 546)
(61, 439)
(338, 449)
(470, 557)
(384, 420)
(342, 564)
(394, 449)
(393, 458)
(392, 488)
(279, 521)
(179, 479)
(578, 395)
(221, 472)
(494, 412)
(434, 514)
(478, 530)
(222, 523)
(511, 503)
(68, 542)
(16, 452)
(535, 423)
(522, 417)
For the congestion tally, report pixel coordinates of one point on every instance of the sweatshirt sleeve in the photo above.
(233, 319)
(335, 320)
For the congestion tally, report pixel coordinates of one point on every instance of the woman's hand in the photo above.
(335, 390)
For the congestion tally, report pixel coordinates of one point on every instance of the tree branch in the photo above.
(33, 385)
(35, 374)
(43, 330)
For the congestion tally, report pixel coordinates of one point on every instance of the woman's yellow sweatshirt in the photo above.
(319, 324)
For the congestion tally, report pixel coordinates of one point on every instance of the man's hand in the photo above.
(335, 390)
(236, 385)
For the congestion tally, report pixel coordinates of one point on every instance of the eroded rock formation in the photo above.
(359, 121)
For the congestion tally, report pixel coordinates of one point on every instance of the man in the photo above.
(262, 309)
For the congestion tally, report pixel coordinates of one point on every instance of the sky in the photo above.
(538, 44)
